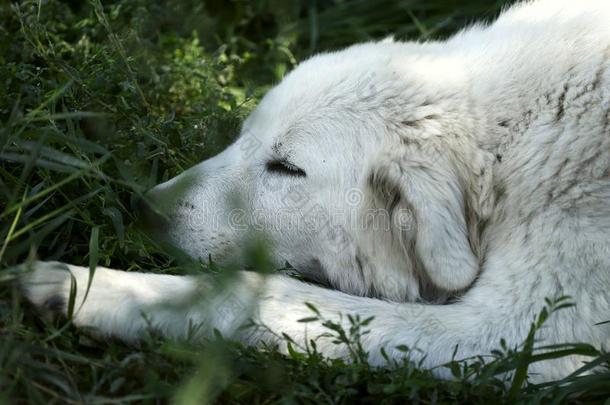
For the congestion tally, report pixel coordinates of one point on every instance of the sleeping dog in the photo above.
(398, 175)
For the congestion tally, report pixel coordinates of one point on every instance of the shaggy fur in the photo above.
(400, 175)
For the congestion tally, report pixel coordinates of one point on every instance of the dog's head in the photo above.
(361, 168)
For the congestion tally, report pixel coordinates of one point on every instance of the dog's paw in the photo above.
(47, 286)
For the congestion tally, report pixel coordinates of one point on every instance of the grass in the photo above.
(99, 102)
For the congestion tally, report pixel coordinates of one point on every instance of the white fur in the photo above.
(477, 167)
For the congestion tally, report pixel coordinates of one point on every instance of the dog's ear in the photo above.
(444, 191)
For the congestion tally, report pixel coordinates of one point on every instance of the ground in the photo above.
(100, 100)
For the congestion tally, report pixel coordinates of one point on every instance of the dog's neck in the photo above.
(515, 81)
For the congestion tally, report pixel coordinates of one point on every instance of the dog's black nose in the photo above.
(140, 205)
(147, 214)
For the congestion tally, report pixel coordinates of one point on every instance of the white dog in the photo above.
(400, 174)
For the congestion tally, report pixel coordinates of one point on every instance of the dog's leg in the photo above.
(126, 304)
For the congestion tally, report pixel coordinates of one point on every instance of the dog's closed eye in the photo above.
(285, 168)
